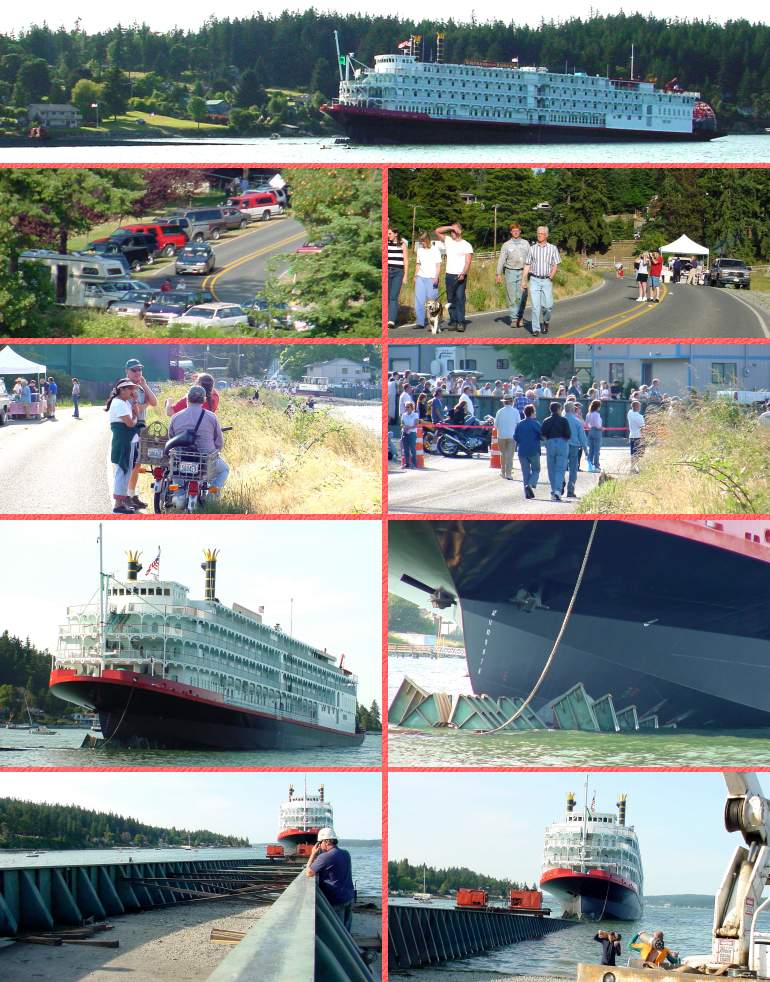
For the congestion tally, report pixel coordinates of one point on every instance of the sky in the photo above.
(242, 804)
(494, 823)
(96, 15)
(261, 563)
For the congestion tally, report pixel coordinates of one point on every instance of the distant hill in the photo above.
(682, 899)
(25, 823)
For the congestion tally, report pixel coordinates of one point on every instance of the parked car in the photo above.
(262, 205)
(199, 223)
(196, 258)
(136, 248)
(315, 245)
(215, 315)
(730, 272)
(5, 402)
(103, 295)
(278, 313)
(131, 304)
(186, 292)
(161, 312)
(234, 218)
(281, 193)
(169, 238)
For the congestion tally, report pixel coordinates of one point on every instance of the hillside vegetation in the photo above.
(402, 875)
(25, 824)
(714, 460)
(307, 463)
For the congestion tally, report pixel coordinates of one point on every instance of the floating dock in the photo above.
(417, 709)
(425, 935)
(298, 939)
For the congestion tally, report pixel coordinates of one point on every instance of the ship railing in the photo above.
(303, 923)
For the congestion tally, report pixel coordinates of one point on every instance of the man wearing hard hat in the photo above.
(333, 868)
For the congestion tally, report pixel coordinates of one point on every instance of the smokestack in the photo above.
(622, 809)
(210, 569)
(440, 49)
(291, 791)
(321, 792)
(570, 802)
(418, 47)
(134, 566)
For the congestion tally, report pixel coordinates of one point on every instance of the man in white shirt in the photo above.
(405, 397)
(539, 270)
(506, 421)
(392, 397)
(466, 398)
(636, 424)
(459, 255)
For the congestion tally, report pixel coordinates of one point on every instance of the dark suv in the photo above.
(136, 248)
(730, 272)
(199, 223)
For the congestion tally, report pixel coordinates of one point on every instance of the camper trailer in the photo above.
(80, 271)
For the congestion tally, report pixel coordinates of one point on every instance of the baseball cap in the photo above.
(133, 363)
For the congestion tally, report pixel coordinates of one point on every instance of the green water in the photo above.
(557, 748)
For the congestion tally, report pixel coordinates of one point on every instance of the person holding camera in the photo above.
(610, 942)
(334, 870)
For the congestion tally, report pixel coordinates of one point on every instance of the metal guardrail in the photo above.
(299, 939)
(427, 935)
(45, 898)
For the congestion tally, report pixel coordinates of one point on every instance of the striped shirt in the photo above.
(396, 253)
(542, 258)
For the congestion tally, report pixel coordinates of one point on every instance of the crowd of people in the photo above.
(127, 410)
(36, 399)
(566, 434)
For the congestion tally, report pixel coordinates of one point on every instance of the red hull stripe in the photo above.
(594, 874)
(286, 833)
(750, 539)
(177, 690)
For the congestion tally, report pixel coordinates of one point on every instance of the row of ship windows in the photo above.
(553, 89)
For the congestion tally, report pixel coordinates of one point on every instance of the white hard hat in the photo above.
(326, 833)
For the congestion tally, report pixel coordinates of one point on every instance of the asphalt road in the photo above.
(241, 260)
(56, 466)
(611, 311)
(470, 486)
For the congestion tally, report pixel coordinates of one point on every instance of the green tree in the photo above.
(115, 92)
(578, 220)
(406, 616)
(339, 288)
(250, 90)
(323, 78)
(85, 93)
(536, 360)
(33, 82)
(197, 109)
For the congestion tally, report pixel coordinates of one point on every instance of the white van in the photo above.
(81, 272)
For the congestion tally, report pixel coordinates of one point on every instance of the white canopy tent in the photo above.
(684, 246)
(12, 363)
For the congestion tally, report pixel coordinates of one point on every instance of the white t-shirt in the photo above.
(456, 251)
(467, 400)
(428, 261)
(506, 421)
(635, 424)
(403, 399)
(118, 408)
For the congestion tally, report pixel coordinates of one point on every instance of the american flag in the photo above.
(154, 566)
(593, 803)
(404, 44)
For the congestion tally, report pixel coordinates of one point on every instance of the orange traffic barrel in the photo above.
(420, 449)
(494, 452)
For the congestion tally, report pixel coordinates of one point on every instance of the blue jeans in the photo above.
(395, 279)
(574, 460)
(557, 458)
(513, 290)
(424, 290)
(76, 404)
(455, 297)
(345, 914)
(594, 446)
(530, 469)
(409, 447)
(541, 302)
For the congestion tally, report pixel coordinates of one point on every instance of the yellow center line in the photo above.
(210, 281)
(618, 319)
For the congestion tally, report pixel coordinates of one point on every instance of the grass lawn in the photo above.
(139, 123)
(311, 463)
(760, 282)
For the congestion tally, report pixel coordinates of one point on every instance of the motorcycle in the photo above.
(451, 442)
(184, 480)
